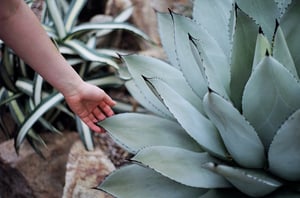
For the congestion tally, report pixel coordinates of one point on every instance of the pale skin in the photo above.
(21, 30)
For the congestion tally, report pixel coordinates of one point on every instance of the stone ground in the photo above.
(68, 170)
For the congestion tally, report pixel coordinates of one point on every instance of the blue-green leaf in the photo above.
(254, 183)
(284, 158)
(133, 181)
(193, 121)
(181, 165)
(292, 31)
(271, 95)
(261, 48)
(239, 136)
(282, 53)
(166, 32)
(224, 193)
(242, 56)
(134, 131)
(264, 13)
(217, 25)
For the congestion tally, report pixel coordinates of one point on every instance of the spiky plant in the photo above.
(226, 114)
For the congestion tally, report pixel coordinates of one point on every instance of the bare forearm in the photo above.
(21, 30)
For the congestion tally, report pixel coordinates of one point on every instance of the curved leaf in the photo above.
(142, 66)
(252, 182)
(48, 103)
(264, 13)
(166, 32)
(282, 53)
(217, 25)
(224, 193)
(183, 27)
(262, 47)
(57, 18)
(135, 131)
(239, 136)
(73, 12)
(284, 158)
(181, 165)
(193, 121)
(292, 31)
(242, 56)
(271, 95)
(133, 181)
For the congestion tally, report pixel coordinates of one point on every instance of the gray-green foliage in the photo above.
(230, 90)
(30, 99)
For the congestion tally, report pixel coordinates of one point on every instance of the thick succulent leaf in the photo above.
(239, 136)
(210, 68)
(134, 131)
(292, 31)
(217, 25)
(181, 165)
(183, 27)
(242, 56)
(73, 12)
(264, 13)
(284, 158)
(134, 181)
(261, 49)
(282, 53)
(37, 89)
(224, 193)
(252, 182)
(193, 121)
(142, 66)
(167, 36)
(215, 61)
(282, 5)
(271, 95)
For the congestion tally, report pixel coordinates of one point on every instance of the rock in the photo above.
(12, 183)
(46, 177)
(85, 170)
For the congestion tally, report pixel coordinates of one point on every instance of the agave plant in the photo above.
(30, 99)
(225, 114)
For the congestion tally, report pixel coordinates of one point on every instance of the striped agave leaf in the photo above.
(74, 10)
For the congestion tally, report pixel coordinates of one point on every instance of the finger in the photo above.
(92, 125)
(98, 114)
(107, 110)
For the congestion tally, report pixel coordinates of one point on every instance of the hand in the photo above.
(91, 104)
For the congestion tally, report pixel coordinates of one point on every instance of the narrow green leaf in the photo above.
(193, 121)
(252, 182)
(242, 56)
(133, 181)
(181, 165)
(73, 12)
(85, 134)
(239, 136)
(284, 159)
(271, 95)
(57, 18)
(87, 27)
(89, 54)
(37, 89)
(48, 103)
(134, 131)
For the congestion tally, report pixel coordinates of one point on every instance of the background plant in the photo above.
(225, 108)
(31, 101)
